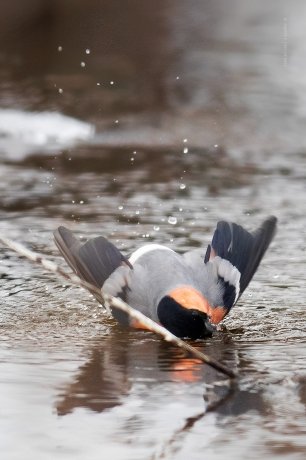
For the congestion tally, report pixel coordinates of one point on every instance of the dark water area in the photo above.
(149, 122)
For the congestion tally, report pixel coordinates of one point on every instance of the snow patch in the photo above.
(24, 132)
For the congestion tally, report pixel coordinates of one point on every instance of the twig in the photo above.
(168, 448)
(117, 303)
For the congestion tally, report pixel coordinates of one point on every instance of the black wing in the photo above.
(244, 251)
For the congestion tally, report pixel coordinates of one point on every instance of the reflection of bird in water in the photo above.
(124, 367)
(187, 294)
(99, 385)
(122, 360)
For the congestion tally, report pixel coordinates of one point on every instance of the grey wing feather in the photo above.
(102, 258)
(69, 247)
(93, 262)
(118, 285)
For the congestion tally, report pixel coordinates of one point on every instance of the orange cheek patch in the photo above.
(217, 314)
(190, 298)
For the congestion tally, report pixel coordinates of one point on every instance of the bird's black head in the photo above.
(183, 322)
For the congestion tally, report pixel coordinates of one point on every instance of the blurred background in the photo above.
(148, 122)
(230, 73)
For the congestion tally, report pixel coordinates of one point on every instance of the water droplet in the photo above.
(185, 140)
(116, 121)
(60, 90)
(83, 64)
(185, 150)
(172, 220)
(137, 212)
(182, 186)
(59, 49)
(177, 77)
(180, 209)
(216, 146)
(98, 84)
(120, 207)
(156, 228)
(87, 51)
(81, 202)
(111, 82)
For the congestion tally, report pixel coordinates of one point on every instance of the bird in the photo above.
(189, 294)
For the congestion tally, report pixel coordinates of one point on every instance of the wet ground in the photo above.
(154, 123)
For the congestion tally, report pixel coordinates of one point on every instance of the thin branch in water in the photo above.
(170, 447)
(117, 303)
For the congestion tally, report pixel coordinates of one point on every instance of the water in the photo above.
(211, 97)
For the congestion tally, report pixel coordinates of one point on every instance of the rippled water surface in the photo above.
(176, 116)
